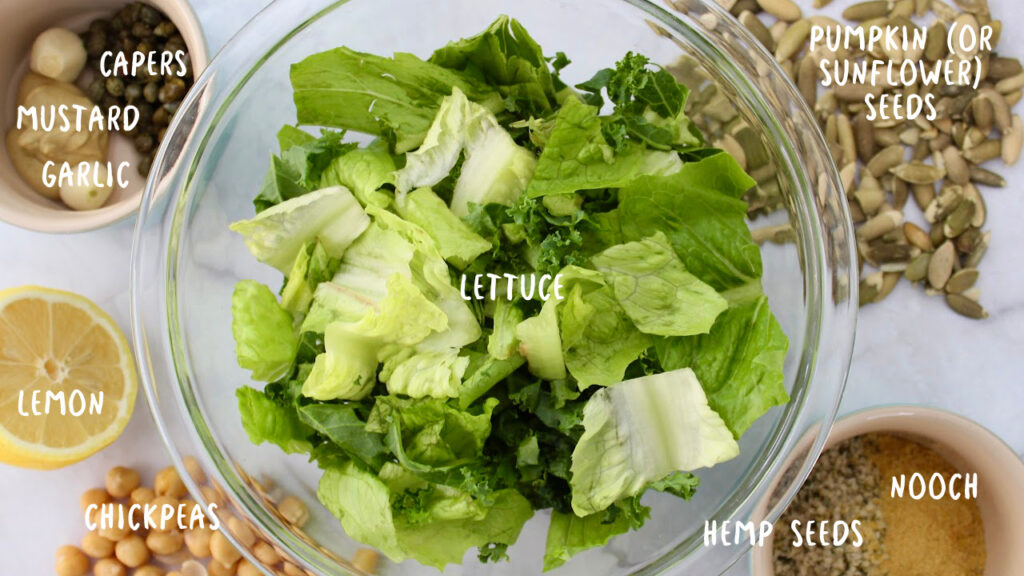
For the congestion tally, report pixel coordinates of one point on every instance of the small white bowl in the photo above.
(969, 447)
(20, 22)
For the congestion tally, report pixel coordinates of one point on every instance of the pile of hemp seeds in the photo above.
(886, 163)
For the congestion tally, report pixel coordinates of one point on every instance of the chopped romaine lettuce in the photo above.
(633, 435)
(266, 421)
(276, 235)
(541, 344)
(655, 289)
(456, 241)
(265, 341)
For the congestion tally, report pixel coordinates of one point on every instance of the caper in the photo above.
(144, 143)
(144, 47)
(173, 90)
(172, 108)
(99, 26)
(164, 29)
(174, 44)
(115, 86)
(161, 116)
(145, 164)
(145, 115)
(150, 15)
(97, 88)
(151, 92)
(95, 43)
(132, 92)
(142, 30)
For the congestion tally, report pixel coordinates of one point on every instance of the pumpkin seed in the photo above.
(921, 7)
(918, 173)
(917, 237)
(886, 253)
(864, 137)
(944, 11)
(868, 290)
(981, 109)
(1000, 109)
(959, 219)
(845, 134)
(980, 211)
(935, 42)
(987, 177)
(900, 193)
(880, 224)
(754, 25)
(923, 195)
(1000, 68)
(792, 40)
(885, 160)
(962, 22)
(866, 10)
(962, 280)
(956, 168)
(936, 235)
(974, 258)
(917, 268)
(785, 10)
(821, 3)
(1013, 140)
(781, 234)
(987, 150)
(1006, 85)
(944, 204)
(973, 6)
(940, 267)
(807, 79)
(966, 307)
(870, 199)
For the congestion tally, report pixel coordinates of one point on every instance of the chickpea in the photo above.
(266, 554)
(198, 541)
(168, 483)
(132, 551)
(294, 511)
(119, 528)
(245, 568)
(96, 546)
(165, 543)
(155, 521)
(365, 560)
(121, 481)
(211, 496)
(142, 495)
(217, 569)
(109, 567)
(70, 561)
(149, 570)
(292, 570)
(242, 532)
(194, 470)
(97, 496)
(193, 568)
(222, 550)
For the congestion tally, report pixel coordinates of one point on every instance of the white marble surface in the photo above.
(909, 349)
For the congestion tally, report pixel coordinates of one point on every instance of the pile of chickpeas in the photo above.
(197, 551)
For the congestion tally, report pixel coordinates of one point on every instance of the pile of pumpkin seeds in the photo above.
(885, 163)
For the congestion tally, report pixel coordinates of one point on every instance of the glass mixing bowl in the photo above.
(186, 261)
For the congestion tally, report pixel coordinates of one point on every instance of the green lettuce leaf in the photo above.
(495, 169)
(265, 341)
(487, 375)
(706, 227)
(456, 241)
(362, 502)
(422, 374)
(739, 363)
(640, 431)
(680, 484)
(312, 266)
(568, 535)
(404, 517)
(364, 171)
(506, 57)
(267, 421)
(347, 370)
(276, 235)
(503, 343)
(577, 157)
(428, 433)
(397, 97)
(657, 292)
(598, 340)
(297, 170)
(340, 424)
(541, 344)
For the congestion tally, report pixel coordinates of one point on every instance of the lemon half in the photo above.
(67, 378)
